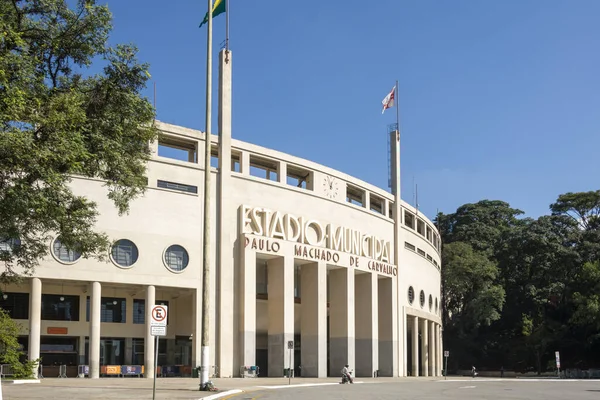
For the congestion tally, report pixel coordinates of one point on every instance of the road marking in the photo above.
(521, 380)
(229, 394)
(304, 385)
(467, 387)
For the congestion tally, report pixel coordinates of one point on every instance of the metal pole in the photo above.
(446, 369)
(227, 25)
(207, 191)
(290, 369)
(398, 139)
(155, 368)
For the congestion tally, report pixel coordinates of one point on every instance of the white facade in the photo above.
(300, 252)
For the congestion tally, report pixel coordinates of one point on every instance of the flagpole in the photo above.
(398, 139)
(205, 350)
(227, 25)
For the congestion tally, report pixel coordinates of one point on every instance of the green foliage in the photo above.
(9, 348)
(70, 105)
(538, 282)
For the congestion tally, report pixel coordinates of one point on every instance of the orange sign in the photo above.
(57, 331)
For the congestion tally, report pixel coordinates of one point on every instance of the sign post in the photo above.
(290, 348)
(158, 327)
(557, 354)
(446, 355)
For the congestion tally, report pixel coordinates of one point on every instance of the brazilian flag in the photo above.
(219, 7)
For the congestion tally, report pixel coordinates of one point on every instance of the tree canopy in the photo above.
(531, 285)
(70, 105)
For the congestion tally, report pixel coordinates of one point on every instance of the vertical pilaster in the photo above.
(440, 349)
(227, 226)
(35, 321)
(341, 319)
(94, 350)
(415, 346)
(366, 331)
(313, 325)
(388, 356)
(248, 306)
(245, 163)
(425, 348)
(432, 351)
(282, 172)
(149, 339)
(280, 272)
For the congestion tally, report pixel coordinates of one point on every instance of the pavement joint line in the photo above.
(222, 394)
(521, 380)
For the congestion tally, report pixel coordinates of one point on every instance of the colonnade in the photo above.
(427, 353)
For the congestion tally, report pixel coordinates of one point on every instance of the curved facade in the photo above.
(300, 253)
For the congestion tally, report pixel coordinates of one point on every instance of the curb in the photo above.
(20, 381)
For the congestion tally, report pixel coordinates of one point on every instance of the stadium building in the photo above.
(301, 253)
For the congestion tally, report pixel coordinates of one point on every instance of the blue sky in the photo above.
(498, 99)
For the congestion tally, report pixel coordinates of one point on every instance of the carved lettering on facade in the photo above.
(276, 225)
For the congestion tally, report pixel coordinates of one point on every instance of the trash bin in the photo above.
(287, 372)
(195, 372)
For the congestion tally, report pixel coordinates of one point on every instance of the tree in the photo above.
(9, 348)
(471, 297)
(57, 120)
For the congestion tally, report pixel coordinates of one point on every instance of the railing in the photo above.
(6, 370)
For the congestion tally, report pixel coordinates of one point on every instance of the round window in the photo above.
(411, 295)
(176, 258)
(430, 302)
(422, 298)
(124, 253)
(64, 254)
(436, 305)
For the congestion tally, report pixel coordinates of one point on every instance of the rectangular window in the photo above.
(435, 241)
(409, 246)
(421, 252)
(355, 195)
(376, 204)
(15, 304)
(435, 263)
(214, 157)
(409, 219)
(235, 162)
(299, 177)
(421, 227)
(391, 212)
(261, 277)
(177, 186)
(429, 258)
(178, 149)
(263, 168)
(429, 234)
(58, 307)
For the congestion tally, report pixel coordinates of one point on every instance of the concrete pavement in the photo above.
(277, 388)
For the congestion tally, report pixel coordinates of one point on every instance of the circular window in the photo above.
(64, 254)
(124, 253)
(436, 305)
(411, 295)
(422, 298)
(176, 258)
(430, 302)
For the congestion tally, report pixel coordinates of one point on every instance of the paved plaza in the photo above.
(277, 388)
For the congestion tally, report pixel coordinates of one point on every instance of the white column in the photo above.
(366, 331)
(425, 346)
(248, 308)
(415, 346)
(432, 349)
(388, 354)
(94, 348)
(280, 272)
(440, 350)
(341, 319)
(149, 340)
(35, 321)
(313, 324)
(197, 327)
